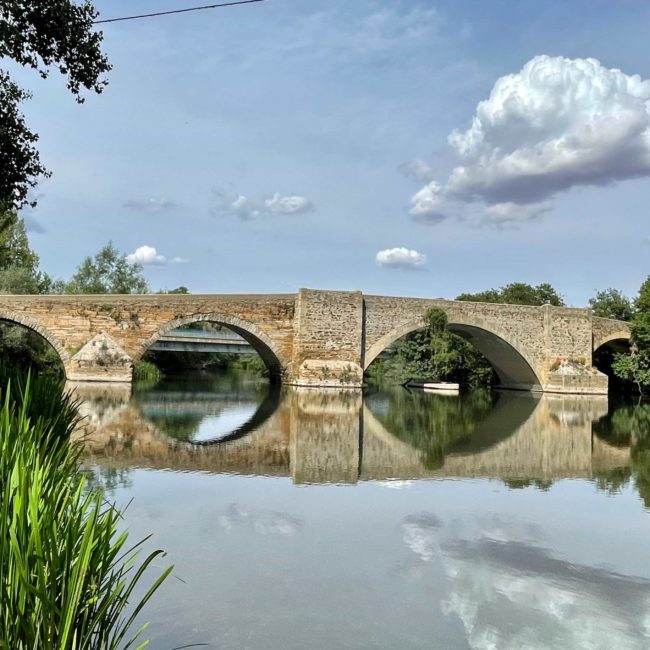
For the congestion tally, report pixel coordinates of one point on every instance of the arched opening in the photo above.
(475, 356)
(212, 342)
(511, 368)
(207, 378)
(25, 346)
(603, 358)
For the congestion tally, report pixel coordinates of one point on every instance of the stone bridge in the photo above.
(320, 338)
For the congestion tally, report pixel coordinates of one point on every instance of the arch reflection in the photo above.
(331, 437)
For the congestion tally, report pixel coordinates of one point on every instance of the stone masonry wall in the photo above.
(317, 338)
(128, 325)
(328, 339)
(605, 330)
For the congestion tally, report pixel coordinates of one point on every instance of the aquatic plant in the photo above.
(147, 372)
(67, 574)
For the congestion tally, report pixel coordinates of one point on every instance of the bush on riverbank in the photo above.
(147, 371)
(66, 573)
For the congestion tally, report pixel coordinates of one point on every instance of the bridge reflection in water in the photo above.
(328, 437)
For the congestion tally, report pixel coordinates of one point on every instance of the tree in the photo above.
(518, 293)
(611, 303)
(107, 272)
(41, 35)
(435, 353)
(19, 272)
(635, 366)
(182, 290)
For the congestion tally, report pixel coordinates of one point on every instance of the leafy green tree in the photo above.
(635, 366)
(611, 303)
(433, 353)
(41, 35)
(19, 273)
(518, 293)
(107, 272)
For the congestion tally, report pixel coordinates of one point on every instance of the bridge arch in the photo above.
(19, 318)
(615, 339)
(511, 365)
(250, 332)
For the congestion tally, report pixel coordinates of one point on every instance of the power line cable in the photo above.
(177, 11)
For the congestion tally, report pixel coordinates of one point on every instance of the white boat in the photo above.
(444, 387)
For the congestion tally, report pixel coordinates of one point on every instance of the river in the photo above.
(303, 519)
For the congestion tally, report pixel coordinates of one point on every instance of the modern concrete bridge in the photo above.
(202, 341)
(320, 338)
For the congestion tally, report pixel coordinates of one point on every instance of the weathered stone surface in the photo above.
(319, 338)
(101, 359)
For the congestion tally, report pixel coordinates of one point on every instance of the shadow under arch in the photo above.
(603, 356)
(509, 412)
(511, 367)
(267, 407)
(257, 339)
(34, 326)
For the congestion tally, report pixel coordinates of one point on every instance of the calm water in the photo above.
(302, 519)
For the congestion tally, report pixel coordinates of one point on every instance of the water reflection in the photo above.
(332, 437)
(494, 566)
(292, 499)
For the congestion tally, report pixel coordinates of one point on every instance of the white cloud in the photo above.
(292, 204)
(418, 169)
(278, 204)
(556, 124)
(401, 258)
(151, 205)
(510, 213)
(179, 260)
(146, 256)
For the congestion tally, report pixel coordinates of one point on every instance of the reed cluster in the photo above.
(147, 372)
(67, 573)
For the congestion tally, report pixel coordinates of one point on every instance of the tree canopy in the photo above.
(635, 366)
(107, 272)
(41, 35)
(19, 272)
(611, 303)
(518, 293)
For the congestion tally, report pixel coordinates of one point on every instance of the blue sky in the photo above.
(267, 147)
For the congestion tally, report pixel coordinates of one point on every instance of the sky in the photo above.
(401, 147)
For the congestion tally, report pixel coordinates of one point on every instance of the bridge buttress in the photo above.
(328, 339)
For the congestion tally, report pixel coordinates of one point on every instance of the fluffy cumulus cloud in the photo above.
(556, 124)
(146, 256)
(401, 258)
(276, 205)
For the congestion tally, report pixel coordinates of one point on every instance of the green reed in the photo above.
(67, 574)
(147, 372)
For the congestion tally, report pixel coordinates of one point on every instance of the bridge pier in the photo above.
(100, 360)
(328, 339)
